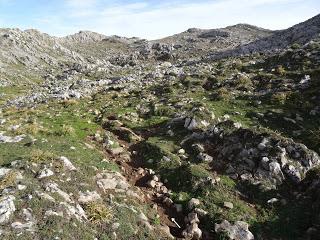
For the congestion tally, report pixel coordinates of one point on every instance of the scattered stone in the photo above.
(190, 124)
(198, 148)
(170, 133)
(152, 183)
(72, 211)
(293, 173)
(21, 187)
(49, 213)
(168, 202)
(115, 226)
(7, 139)
(166, 230)
(53, 187)
(228, 205)
(28, 226)
(181, 151)
(262, 146)
(192, 231)
(155, 178)
(45, 196)
(116, 151)
(141, 171)
(4, 172)
(7, 208)
(111, 181)
(44, 173)
(142, 219)
(203, 157)
(238, 231)
(88, 196)
(200, 212)
(272, 200)
(67, 164)
(193, 203)
(166, 159)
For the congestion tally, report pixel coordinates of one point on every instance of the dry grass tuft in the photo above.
(69, 102)
(39, 156)
(98, 213)
(8, 180)
(67, 130)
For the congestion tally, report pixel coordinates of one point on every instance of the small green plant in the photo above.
(156, 220)
(295, 46)
(279, 98)
(280, 70)
(69, 102)
(32, 128)
(314, 138)
(65, 130)
(237, 64)
(163, 110)
(222, 94)
(244, 82)
(223, 236)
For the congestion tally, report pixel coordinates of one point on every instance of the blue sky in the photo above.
(151, 19)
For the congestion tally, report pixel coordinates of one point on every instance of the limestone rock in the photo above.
(88, 196)
(54, 188)
(237, 231)
(7, 208)
(193, 203)
(44, 173)
(228, 205)
(7, 139)
(111, 181)
(67, 164)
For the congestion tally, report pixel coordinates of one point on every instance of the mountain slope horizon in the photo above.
(206, 134)
(87, 31)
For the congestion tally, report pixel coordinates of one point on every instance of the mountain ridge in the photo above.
(198, 29)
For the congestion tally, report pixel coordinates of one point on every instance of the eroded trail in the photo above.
(133, 168)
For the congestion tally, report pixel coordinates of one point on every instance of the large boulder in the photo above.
(237, 231)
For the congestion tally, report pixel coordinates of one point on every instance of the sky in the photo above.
(151, 19)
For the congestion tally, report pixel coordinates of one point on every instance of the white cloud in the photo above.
(80, 3)
(166, 18)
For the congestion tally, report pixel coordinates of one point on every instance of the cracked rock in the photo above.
(7, 208)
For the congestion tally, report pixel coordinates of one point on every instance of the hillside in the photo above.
(206, 134)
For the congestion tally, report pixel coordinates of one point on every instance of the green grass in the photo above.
(61, 126)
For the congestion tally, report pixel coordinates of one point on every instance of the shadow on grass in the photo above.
(288, 219)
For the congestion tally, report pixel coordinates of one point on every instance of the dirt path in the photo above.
(130, 168)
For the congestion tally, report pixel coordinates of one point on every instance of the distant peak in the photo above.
(246, 26)
(85, 36)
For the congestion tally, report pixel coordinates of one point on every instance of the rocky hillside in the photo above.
(198, 43)
(299, 34)
(207, 134)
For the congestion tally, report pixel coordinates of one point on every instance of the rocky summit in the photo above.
(206, 134)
